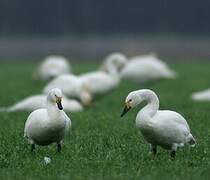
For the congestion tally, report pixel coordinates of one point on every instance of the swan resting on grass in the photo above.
(48, 125)
(52, 66)
(72, 86)
(34, 102)
(103, 81)
(164, 128)
(141, 68)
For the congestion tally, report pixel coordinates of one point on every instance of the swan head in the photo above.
(131, 101)
(55, 96)
(117, 59)
(85, 95)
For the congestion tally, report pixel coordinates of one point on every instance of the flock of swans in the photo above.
(65, 91)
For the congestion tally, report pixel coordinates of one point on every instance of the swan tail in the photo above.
(170, 74)
(195, 97)
(3, 109)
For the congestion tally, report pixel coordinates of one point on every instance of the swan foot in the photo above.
(153, 149)
(173, 150)
(173, 154)
(32, 147)
(59, 147)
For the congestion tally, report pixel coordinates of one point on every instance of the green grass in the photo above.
(101, 145)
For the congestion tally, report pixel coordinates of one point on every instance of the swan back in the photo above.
(143, 68)
(69, 84)
(100, 82)
(53, 66)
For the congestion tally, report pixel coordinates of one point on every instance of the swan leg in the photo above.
(173, 150)
(153, 149)
(59, 147)
(32, 147)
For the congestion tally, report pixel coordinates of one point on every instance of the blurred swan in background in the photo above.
(146, 68)
(52, 66)
(141, 68)
(201, 95)
(48, 125)
(101, 82)
(117, 59)
(164, 128)
(72, 86)
(34, 102)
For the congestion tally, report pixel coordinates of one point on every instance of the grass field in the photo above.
(101, 145)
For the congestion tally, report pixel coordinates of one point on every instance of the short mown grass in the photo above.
(102, 145)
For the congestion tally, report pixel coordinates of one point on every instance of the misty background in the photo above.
(92, 28)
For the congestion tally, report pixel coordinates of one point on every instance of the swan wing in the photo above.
(71, 105)
(99, 82)
(68, 122)
(171, 118)
(35, 123)
(170, 127)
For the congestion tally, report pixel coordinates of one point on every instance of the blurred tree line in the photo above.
(52, 17)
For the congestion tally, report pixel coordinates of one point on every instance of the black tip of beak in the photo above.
(60, 105)
(125, 110)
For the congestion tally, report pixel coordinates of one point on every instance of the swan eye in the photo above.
(130, 100)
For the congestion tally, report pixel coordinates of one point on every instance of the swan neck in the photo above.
(52, 109)
(152, 104)
(112, 71)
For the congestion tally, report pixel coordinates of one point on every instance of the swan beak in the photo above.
(58, 102)
(126, 109)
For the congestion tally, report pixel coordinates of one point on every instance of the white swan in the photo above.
(48, 125)
(38, 101)
(117, 59)
(141, 68)
(101, 82)
(52, 66)
(164, 128)
(201, 95)
(72, 86)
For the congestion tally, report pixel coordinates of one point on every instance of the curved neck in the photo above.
(152, 103)
(112, 71)
(52, 108)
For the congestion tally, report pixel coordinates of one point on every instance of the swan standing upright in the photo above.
(48, 125)
(164, 128)
(51, 67)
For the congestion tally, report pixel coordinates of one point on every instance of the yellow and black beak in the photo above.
(58, 102)
(126, 109)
